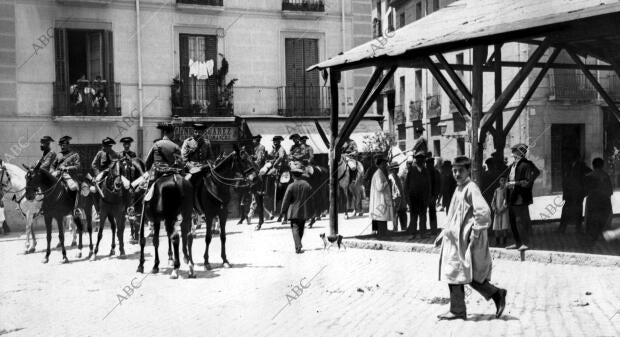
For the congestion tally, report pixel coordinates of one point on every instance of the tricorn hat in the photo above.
(46, 139)
(108, 141)
(126, 140)
(293, 136)
(277, 138)
(303, 138)
(257, 137)
(166, 127)
(64, 140)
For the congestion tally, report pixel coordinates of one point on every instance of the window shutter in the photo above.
(211, 54)
(108, 70)
(311, 79)
(184, 67)
(61, 87)
(290, 50)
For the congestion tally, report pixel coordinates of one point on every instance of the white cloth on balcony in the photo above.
(194, 68)
(210, 65)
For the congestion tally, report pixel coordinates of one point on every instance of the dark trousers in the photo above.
(596, 221)
(520, 223)
(417, 213)
(298, 225)
(457, 295)
(432, 214)
(379, 226)
(572, 213)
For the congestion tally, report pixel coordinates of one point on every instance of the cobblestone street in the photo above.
(271, 291)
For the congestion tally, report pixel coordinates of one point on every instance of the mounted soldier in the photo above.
(277, 156)
(260, 154)
(104, 159)
(49, 156)
(165, 155)
(298, 150)
(349, 152)
(196, 150)
(66, 164)
(127, 153)
(308, 160)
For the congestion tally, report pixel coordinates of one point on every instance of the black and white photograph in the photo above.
(310, 168)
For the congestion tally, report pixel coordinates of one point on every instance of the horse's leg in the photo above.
(223, 216)
(156, 225)
(61, 237)
(111, 217)
(28, 231)
(208, 222)
(48, 237)
(173, 233)
(188, 240)
(102, 217)
(74, 231)
(80, 229)
(89, 224)
(120, 232)
(142, 243)
(170, 256)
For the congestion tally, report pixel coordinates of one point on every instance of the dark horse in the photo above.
(132, 169)
(172, 196)
(58, 202)
(212, 185)
(83, 216)
(112, 189)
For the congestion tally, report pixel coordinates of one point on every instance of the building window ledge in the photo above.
(302, 15)
(204, 9)
(111, 119)
(99, 3)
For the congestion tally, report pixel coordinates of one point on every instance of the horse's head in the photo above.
(37, 179)
(246, 165)
(114, 180)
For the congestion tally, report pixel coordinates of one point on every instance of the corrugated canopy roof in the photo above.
(471, 20)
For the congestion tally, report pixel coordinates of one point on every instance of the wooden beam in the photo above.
(334, 78)
(530, 92)
(476, 112)
(512, 87)
(454, 77)
(499, 140)
(447, 88)
(610, 102)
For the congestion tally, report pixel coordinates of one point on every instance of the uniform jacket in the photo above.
(103, 160)
(418, 183)
(465, 255)
(524, 170)
(297, 152)
(278, 156)
(309, 153)
(380, 203)
(260, 154)
(47, 160)
(69, 161)
(198, 151)
(164, 152)
(296, 198)
(130, 154)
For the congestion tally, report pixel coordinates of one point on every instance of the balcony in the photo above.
(203, 6)
(304, 101)
(94, 3)
(303, 5)
(613, 87)
(87, 98)
(415, 110)
(399, 115)
(433, 106)
(201, 99)
(570, 86)
(202, 2)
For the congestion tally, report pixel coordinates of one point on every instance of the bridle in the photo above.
(231, 182)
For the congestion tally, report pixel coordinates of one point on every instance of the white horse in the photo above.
(353, 189)
(13, 181)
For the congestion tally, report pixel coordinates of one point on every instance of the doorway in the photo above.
(566, 139)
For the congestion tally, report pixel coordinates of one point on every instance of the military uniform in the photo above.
(47, 160)
(350, 148)
(308, 151)
(260, 155)
(128, 154)
(66, 164)
(278, 155)
(196, 151)
(164, 153)
(103, 160)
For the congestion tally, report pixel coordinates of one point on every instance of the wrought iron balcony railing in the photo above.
(87, 98)
(302, 101)
(433, 106)
(571, 86)
(202, 2)
(303, 5)
(194, 98)
(415, 110)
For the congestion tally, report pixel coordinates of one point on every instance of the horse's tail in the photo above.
(170, 195)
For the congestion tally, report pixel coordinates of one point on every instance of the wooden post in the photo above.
(334, 78)
(479, 57)
(499, 140)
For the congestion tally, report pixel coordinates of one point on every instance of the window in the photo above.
(418, 11)
(402, 92)
(437, 148)
(302, 93)
(401, 20)
(85, 73)
(460, 146)
(459, 60)
(198, 64)
(380, 105)
(418, 85)
(402, 137)
(390, 18)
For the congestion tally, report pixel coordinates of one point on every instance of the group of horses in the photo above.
(173, 198)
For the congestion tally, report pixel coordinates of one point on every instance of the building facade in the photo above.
(565, 113)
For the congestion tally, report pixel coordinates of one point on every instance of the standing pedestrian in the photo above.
(380, 204)
(434, 180)
(294, 204)
(417, 186)
(598, 203)
(501, 219)
(522, 175)
(448, 184)
(465, 256)
(573, 193)
(398, 199)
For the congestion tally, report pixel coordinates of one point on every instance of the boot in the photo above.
(5, 227)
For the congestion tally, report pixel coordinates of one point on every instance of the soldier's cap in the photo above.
(303, 138)
(277, 138)
(199, 126)
(419, 129)
(46, 139)
(293, 136)
(108, 141)
(166, 127)
(64, 140)
(461, 161)
(127, 140)
(257, 137)
(522, 148)
(419, 154)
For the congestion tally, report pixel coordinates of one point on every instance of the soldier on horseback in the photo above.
(277, 155)
(165, 155)
(196, 150)
(104, 159)
(127, 153)
(66, 164)
(49, 156)
(259, 156)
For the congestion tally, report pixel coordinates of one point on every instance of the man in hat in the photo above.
(260, 153)
(49, 156)
(418, 189)
(521, 179)
(295, 206)
(67, 163)
(465, 257)
(308, 150)
(127, 153)
(165, 153)
(105, 158)
(196, 150)
(277, 154)
(350, 148)
(298, 151)
(380, 198)
(399, 202)
(420, 141)
(434, 180)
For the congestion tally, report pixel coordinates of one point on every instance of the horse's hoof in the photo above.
(64, 260)
(90, 253)
(174, 275)
(73, 244)
(170, 263)
(78, 255)
(121, 253)
(45, 260)
(257, 228)
(226, 265)
(58, 246)
(93, 257)
(185, 260)
(207, 266)
(155, 270)
(112, 252)
(140, 269)
(191, 272)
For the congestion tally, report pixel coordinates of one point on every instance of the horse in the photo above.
(13, 181)
(57, 203)
(132, 169)
(112, 188)
(171, 196)
(83, 216)
(352, 187)
(212, 186)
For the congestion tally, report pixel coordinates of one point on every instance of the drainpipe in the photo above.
(345, 83)
(140, 113)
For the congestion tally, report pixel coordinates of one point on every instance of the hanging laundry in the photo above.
(209, 66)
(193, 68)
(203, 74)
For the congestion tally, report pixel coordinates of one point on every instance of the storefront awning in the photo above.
(270, 128)
(363, 130)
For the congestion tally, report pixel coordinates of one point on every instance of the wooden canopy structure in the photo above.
(582, 28)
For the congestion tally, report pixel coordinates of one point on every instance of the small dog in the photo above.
(330, 242)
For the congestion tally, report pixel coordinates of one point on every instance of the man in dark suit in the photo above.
(573, 192)
(434, 179)
(418, 190)
(295, 204)
(521, 179)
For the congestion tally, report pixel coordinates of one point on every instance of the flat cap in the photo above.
(277, 138)
(199, 126)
